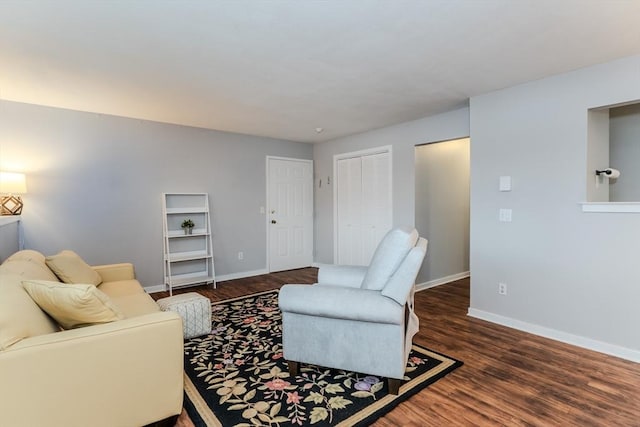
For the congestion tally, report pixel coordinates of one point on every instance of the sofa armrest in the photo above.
(341, 275)
(114, 272)
(338, 302)
(128, 372)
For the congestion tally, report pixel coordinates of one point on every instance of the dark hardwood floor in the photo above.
(509, 378)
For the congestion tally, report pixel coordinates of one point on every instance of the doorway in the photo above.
(442, 209)
(289, 213)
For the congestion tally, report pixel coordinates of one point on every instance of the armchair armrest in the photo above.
(114, 272)
(341, 303)
(341, 275)
(128, 372)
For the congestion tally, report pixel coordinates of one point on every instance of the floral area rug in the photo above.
(236, 376)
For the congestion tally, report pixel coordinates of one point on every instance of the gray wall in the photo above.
(442, 207)
(566, 270)
(95, 183)
(403, 138)
(624, 149)
(9, 237)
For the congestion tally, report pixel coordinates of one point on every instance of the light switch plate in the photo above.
(505, 183)
(504, 215)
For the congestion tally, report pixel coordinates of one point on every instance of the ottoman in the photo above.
(194, 309)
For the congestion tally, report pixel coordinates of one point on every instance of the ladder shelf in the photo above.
(188, 257)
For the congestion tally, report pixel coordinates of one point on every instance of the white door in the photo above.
(363, 200)
(289, 213)
(376, 202)
(349, 211)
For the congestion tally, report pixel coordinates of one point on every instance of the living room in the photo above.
(95, 174)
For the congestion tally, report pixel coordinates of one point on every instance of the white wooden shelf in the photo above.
(173, 234)
(187, 210)
(188, 258)
(185, 280)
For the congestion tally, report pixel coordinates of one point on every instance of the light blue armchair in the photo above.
(357, 318)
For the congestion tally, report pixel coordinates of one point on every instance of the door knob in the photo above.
(273, 221)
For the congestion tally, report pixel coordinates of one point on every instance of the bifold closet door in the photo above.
(376, 202)
(363, 186)
(349, 188)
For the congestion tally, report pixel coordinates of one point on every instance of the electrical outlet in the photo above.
(240, 255)
(502, 288)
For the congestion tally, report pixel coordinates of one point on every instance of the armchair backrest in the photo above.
(389, 254)
(400, 284)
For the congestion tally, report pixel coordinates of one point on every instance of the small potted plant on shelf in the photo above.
(187, 226)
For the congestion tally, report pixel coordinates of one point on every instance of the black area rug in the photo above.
(236, 376)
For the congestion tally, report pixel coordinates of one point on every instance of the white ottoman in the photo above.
(194, 309)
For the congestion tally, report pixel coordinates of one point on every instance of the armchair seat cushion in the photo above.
(342, 275)
(340, 303)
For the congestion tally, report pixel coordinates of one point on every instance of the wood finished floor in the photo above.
(509, 378)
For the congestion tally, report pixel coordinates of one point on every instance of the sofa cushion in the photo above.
(28, 264)
(388, 255)
(20, 316)
(119, 288)
(70, 268)
(72, 305)
(134, 305)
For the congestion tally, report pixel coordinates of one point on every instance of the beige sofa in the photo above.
(124, 373)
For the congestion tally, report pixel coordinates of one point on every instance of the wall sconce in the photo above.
(609, 173)
(11, 184)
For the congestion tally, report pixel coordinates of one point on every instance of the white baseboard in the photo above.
(441, 281)
(154, 288)
(241, 275)
(565, 337)
(223, 278)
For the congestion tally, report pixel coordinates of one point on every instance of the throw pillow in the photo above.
(72, 305)
(70, 268)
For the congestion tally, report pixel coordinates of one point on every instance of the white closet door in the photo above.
(363, 206)
(376, 202)
(349, 211)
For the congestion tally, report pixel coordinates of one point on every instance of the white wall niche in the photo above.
(613, 140)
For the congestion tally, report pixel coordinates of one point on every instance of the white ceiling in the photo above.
(283, 68)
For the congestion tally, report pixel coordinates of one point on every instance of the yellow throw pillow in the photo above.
(72, 305)
(70, 268)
